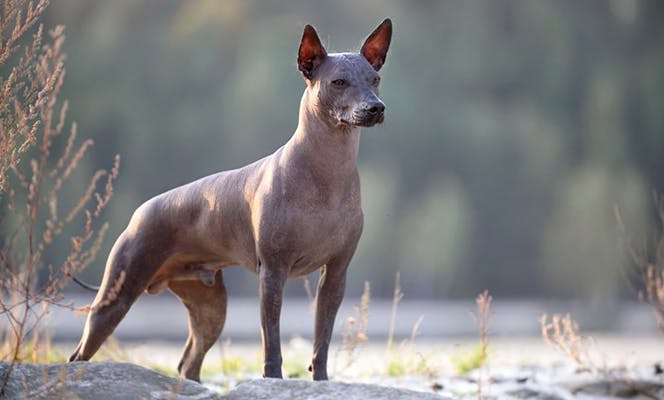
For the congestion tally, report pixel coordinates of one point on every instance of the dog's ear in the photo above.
(311, 53)
(375, 47)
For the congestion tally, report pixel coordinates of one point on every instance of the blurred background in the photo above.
(513, 128)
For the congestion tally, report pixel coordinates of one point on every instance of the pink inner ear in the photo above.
(375, 55)
(376, 45)
(311, 52)
(310, 58)
(308, 53)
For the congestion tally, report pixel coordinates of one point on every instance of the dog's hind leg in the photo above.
(102, 321)
(206, 305)
(125, 278)
(106, 312)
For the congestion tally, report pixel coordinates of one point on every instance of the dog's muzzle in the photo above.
(370, 115)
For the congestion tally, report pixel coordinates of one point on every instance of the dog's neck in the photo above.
(328, 148)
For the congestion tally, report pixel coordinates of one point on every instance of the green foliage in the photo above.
(113, 350)
(408, 362)
(396, 367)
(465, 362)
(38, 350)
(296, 368)
(234, 365)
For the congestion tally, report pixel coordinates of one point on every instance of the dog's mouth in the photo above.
(375, 120)
(364, 120)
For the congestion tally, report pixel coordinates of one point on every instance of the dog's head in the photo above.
(344, 86)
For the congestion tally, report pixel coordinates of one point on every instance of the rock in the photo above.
(532, 394)
(621, 388)
(112, 380)
(277, 389)
(98, 380)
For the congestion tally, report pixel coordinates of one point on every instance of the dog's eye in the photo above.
(339, 82)
(375, 81)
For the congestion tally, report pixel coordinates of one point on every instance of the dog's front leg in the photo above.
(330, 292)
(272, 278)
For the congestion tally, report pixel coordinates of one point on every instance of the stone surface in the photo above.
(112, 380)
(532, 394)
(621, 389)
(98, 380)
(276, 389)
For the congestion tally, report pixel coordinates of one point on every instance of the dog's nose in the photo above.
(376, 108)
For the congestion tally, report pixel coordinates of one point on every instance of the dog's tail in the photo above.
(84, 285)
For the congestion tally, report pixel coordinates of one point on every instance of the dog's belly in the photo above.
(307, 265)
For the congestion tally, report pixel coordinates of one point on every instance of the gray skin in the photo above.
(282, 217)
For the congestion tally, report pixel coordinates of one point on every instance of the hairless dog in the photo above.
(281, 217)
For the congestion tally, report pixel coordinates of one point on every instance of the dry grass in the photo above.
(405, 360)
(562, 334)
(653, 280)
(483, 319)
(310, 294)
(110, 296)
(33, 175)
(355, 329)
(396, 299)
(20, 94)
(646, 259)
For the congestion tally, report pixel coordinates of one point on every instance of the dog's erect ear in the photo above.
(375, 47)
(311, 53)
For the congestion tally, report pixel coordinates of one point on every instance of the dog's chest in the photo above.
(306, 233)
(321, 239)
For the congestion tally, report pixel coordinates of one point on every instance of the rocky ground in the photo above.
(612, 367)
(113, 380)
(122, 381)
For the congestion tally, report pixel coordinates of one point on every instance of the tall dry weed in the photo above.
(646, 262)
(396, 299)
(20, 93)
(355, 330)
(33, 175)
(482, 318)
(563, 335)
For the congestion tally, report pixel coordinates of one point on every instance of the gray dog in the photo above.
(281, 217)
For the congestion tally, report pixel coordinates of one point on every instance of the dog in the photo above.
(283, 216)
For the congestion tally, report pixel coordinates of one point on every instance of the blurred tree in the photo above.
(512, 126)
